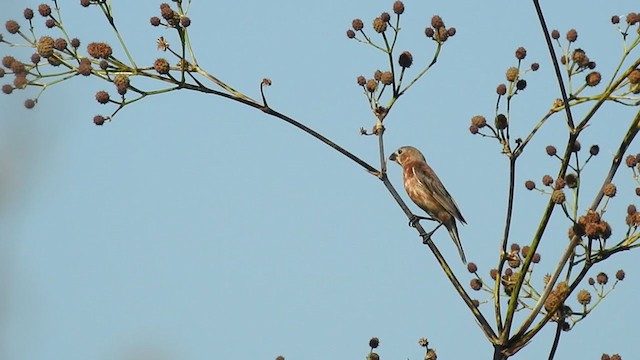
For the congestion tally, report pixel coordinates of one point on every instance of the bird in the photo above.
(426, 190)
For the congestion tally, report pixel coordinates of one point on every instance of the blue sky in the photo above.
(192, 227)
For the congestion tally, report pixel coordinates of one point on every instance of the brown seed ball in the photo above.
(451, 31)
(593, 78)
(512, 74)
(584, 297)
(615, 19)
(558, 197)
(99, 120)
(7, 89)
(594, 150)
(475, 302)
(373, 356)
(45, 46)
(525, 251)
(493, 273)
(530, 185)
(571, 180)
(386, 78)
(50, 23)
(374, 342)
(616, 357)
(535, 67)
(560, 183)
(591, 281)
(102, 97)
(602, 279)
(547, 180)
(155, 21)
(54, 61)
(473, 129)
(572, 35)
(85, 3)
(18, 68)
(605, 357)
(99, 50)
(44, 10)
(555, 34)
(551, 150)
(361, 80)
(501, 122)
(104, 65)
(634, 76)
(351, 34)
(476, 284)
(379, 25)
(479, 121)
(406, 59)
(161, 66)
(20, 81)
(576, 146)
(501, 89)
(185, 21)
(472, 267)
(377, 75)
(85, 67)
(2, 72)
(521, 53)
(633, 18)
(437, 22)
(12, 26)
(609, 190)
(536, 258)
(385, 16)
(631, 209)
(514, 262)
(75, 43)
(60, 44)
(28, 13)
(357, 24)
(121, 80)
(563, 59)
(166, 12)
(521, 84)
(7, 61)
(371, 86)
(429, 32)
(620, 275)
(29, 103)
(398, 7)
(631, 161)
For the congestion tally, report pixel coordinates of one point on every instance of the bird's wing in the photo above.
(425, 175)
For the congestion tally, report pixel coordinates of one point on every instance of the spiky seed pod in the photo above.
(556, 297)
(387, 78)
(501, 89)
(515, 247)
(102, 97)
(530, 185)
(558, 197)
(609, 190)
(572, 35)
(602, 278)
(377, 75)
(185, 21)
(373, 356)
(385, 16)
(379, 25)
(429, 32)
(631, 161)
(85, 67)
(571, 180)
(75, 43)
(431, 355)
(512, 74)
(521, 53)
(99, 120)
(161, 66)
(479, 121)
(371, 85)
(501, 122)
(44, 10)
(584, 297)
(7, 89)
(361, 80)
(547, 180)
(60, 44)
(99, 50)
(50, 23)
(28, 13)
(166, 12)
(476, 284)
(398, 7)
(472, 267)
(357, 24)
(20, 81)
(620, 275)
(437, 22)
(514, 262)
(406, 59)
(45, 46)
(616, 357)
(632, 18)
(12, 26)
(423, 342)
(634, 76)
(631, 209)
(154, 21)
(18, 68)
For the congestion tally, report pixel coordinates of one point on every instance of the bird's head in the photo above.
(406, 154)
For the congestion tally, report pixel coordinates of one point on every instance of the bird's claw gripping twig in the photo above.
(415, 219)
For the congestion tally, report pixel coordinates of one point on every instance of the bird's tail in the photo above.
(453, 231)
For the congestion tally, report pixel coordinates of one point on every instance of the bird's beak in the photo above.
(393, 157)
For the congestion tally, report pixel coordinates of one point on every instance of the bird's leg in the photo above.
(431, 233)
(415, 219)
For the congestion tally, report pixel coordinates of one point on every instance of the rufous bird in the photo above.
(426, 190)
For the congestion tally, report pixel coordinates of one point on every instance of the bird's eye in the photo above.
(399, 151)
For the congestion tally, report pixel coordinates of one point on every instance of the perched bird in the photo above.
(426, 190)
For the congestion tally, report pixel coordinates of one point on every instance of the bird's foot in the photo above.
(416, 219)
